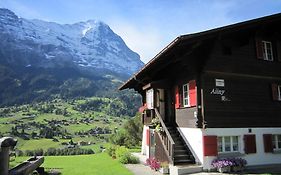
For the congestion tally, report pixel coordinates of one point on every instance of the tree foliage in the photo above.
(131, 135)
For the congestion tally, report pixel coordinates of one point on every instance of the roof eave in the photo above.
(134, 77)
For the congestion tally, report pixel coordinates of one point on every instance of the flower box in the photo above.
(229, 164)
(225, 169)
(238, 168)
(164, 170)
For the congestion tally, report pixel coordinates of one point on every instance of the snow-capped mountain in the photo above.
(89, 45)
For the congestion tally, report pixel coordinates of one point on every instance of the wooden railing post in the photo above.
(166, 139)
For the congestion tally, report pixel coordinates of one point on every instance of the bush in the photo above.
(111, 151)
(124, 156)
(131, 136)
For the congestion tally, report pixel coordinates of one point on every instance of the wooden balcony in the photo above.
(147, 116)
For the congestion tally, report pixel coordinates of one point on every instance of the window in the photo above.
(276, 142)
(228, 144)
(276, 91)
(150, 99)
(185, 95)
(267, 50)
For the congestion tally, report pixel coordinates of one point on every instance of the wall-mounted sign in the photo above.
(217, 91)
(219, 82)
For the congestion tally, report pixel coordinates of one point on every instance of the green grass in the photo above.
(40, 143)
(21, 113)
(98, 164)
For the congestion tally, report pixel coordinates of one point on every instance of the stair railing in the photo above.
(166, 138)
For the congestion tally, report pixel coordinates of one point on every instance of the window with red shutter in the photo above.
(177, 97)
(250, 144)
(210, 146)
(267, 142)
(192, 93)
(264, 49)
(276, 92)
(259, 48)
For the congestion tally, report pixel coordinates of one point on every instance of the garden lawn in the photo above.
(39, 144)
(97, 164)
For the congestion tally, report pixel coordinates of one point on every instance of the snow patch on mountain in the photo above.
(91, 44)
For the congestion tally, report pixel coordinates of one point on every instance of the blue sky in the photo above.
(146, 26)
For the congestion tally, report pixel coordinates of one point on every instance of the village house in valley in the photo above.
(216, 93)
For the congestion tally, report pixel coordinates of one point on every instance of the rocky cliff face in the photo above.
(89, 45)
(41, 60)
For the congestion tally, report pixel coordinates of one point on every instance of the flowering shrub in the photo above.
(239, 162)
(153, 163)
(220, 163)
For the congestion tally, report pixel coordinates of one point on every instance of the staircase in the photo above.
(182, 154)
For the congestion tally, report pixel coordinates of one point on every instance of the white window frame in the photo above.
(231, 144)
(275, 142)
(279, 92)
(185, 95)
(267, 51)
(150, 99)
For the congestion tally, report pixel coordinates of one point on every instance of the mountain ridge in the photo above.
(87, 45)
(42, 60)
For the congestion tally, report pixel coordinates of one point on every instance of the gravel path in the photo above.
(140, 169)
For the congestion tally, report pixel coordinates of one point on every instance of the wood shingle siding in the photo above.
(247, 102)
(185, 117)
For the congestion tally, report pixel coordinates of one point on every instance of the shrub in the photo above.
(111, 151)
(124, 156)
(120, 151)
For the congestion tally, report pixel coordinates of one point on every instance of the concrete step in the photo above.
(185, 169)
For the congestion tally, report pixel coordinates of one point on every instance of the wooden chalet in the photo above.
(215, 93)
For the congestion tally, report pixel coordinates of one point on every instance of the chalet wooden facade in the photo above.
(216, 93)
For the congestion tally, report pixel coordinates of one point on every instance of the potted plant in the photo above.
(229, 164)
(153, 163)
(154, 123)
(239, 164)
(164, 168)
(222, 165)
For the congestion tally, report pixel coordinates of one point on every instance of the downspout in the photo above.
(199, 122)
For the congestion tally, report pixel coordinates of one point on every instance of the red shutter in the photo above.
(147, 137)
(259, 48)
(192, 92)
(267, 143)
(177, 97)
(275, 92)
(210, 146)
(250, 144)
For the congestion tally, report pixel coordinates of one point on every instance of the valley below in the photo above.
(84, 123)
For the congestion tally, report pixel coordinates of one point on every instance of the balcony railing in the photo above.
(166, 139)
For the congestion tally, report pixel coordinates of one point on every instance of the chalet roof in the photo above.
(200, 36)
